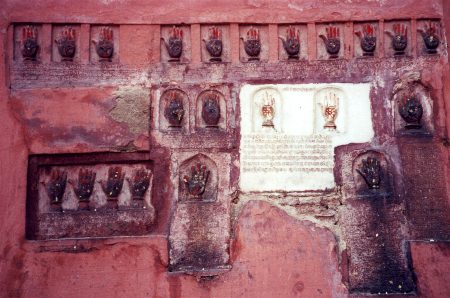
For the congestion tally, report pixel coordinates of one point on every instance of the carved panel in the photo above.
(211, 110)
(28, 42)
(66, 43)
(215, 43)
(254, 43)
(175, 44)
(397, 38)
(367, 41)
(104, 45)
(293, 42)
(174, 111)
(330, 41)
(429, 37)
(113, 196)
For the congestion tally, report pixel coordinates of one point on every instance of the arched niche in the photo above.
(174, 110)
(198, 179)
(211, 110)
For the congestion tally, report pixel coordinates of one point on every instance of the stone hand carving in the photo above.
(214, 44)
(66, 44)
(268, 110)
(367, 39)
(174, 110)
(399, 38)
(139, 184)
(292, 42)
(332, 41)
(411, 111)
(30, 45)
(113, 186)
(105, 44)
(84, 186)
(430, 38)
(211, 109)
(56, 186)
(174, 45)
(330, 109)
(370, 170)
(196, 183)
(252, 44)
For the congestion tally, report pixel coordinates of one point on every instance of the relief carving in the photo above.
(368, 40)
(430, 37)
(214, 44)
(196, 182)
(370, 170)
(30, 46)
(174, 45)
(411, 111)
(56, 186)
(84, 186)
(372, 175)
(105, 44)
(113, 185)
(332, 41)
(139, 183)
(66, 43)
(211, 110)
(399, 38)
(268, 110)
(174, 109)
(291, 43)
(252, 44)
(330, 108)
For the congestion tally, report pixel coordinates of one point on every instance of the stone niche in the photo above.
(289, 132)
(94, 195)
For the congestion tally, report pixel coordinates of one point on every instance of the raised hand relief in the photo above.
(196, 183)
(211, 109)
(214, 44)
(30, 46)
(430, 37)
(105, 44)
(411, 111)
(84, 186)
(292, 42)
(66, 44)
(252, 44)
(332, 41)
(370, 170)
(113, 185)
(399, 38)
(330, 109)
(174, 110)
(56, 186)
(139, 183)
(367, 39)
(174, 45)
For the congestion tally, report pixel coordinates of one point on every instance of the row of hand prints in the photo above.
(66, 41)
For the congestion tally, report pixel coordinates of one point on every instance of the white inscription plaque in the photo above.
(289, 132)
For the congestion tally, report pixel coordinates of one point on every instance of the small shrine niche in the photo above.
(174, 110)
(330, 112)
(211, 110)
(372, 174)
(198, 180)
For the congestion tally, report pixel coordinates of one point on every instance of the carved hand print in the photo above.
(211, 109)
(66, 43)
(174, 45)
(411, 111)
(330, 108)
(370, 170)
(139, 183)
(332, 41)
(84, 186)
(30, 45)
(56, 186)
(399, 38)
(292, 42)
(105, 44)
(430, 37)
(113, 185)
(214, 43)
(368, 39)
(174, 110)
(252, 44)
(196, 183)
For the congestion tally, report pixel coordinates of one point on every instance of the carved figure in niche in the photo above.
(330, 108)
(105, 44)
(84, 186)
(139, 184)
(114, 183)
(411, 111)
(56, 186)
(214, 44)
(268, 110)
(30, 45)
(174, 110)
(252, 44)
(66, 44)
(174, 45)
(399, 38)
(211, 109)
(332, 41)
(196, 183)
(292, 42)
(370, 170)
(430, 37)
(367, 39)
